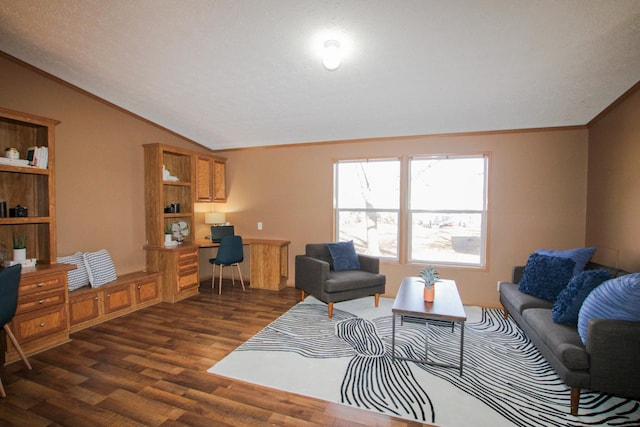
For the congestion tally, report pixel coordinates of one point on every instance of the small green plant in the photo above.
(19, 240)
(429, 276)
(167, 229)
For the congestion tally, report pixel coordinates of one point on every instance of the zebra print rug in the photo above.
(347, 359)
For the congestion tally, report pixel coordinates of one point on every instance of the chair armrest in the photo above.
(369, 263)
(613, 347)
(517, 273)
(311, 273)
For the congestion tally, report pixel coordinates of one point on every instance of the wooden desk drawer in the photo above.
(29, 286)
(187, 281)
(30, 326)
(40, 300)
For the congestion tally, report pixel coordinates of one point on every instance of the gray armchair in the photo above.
(315, 276)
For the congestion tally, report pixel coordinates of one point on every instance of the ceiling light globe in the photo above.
(331, 56)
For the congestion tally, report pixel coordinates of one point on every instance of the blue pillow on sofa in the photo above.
(344, 256)
(581, 256)
(570, 299)
(546, 276)
(617, 298)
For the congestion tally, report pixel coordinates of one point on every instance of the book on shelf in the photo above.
(38, 157)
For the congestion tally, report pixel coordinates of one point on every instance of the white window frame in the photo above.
(483, 212)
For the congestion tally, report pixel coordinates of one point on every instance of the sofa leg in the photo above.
(301, 295)
(575, 400)
(377, 299)
(330, 310)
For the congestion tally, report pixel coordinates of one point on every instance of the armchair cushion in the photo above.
(344, 256)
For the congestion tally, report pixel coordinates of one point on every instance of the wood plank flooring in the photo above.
(149, 369)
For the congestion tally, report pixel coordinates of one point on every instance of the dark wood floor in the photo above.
(149, 368)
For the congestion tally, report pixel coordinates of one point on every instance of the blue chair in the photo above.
(229, 254)
(9, 283)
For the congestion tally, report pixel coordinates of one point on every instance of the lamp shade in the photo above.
(214, 218)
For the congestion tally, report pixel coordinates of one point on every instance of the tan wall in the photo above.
(537, 184)
(614, 179)
(99, 164)
(537, 196)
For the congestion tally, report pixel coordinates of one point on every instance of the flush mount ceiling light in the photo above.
(331, 56)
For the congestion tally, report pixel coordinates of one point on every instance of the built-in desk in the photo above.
(268, 261)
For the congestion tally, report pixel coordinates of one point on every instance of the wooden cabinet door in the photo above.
(146, 291)
(219, 181)
(83, 308)
(204, 181)
(117, 298)
(39, 323)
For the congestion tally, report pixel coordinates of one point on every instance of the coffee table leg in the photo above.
(393, 337)
(461, 345)
(426, 341)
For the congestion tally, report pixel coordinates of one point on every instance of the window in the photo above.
(367, 205)
(448, 210)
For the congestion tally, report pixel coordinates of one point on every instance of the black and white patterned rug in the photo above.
(347, 359)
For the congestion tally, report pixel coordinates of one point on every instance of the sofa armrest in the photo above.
(613, 347)
(517, 273)
(311, 273)
(369, 263)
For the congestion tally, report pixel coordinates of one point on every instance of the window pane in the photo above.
(375, 233)
(448, 183)
(448, 238)
(368, 184)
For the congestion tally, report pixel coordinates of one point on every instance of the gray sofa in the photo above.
(609, 361)
(315, 276)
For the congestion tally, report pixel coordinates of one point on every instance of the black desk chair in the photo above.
(229, 254)
(9, 283)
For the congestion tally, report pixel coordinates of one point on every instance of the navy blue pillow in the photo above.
(546, 276)
(344, 256)
(581, 256)
(567, 306)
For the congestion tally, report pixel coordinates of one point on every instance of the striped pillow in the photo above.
(100, 267)
(617, 298)
(80, 276)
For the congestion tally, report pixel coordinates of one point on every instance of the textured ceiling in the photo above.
(243, 73)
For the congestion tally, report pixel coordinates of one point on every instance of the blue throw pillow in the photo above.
(581, 256)
(568, 304)
(546, 276)
(617, 298)
(344, 256)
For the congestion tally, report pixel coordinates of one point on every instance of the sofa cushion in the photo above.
(344, 256)
(100, 267)
(519, 300)
(339, 281)
(80, 276)
(563, 340)
(546, 276)
(569, 301)
(580, 256)
(617, 298)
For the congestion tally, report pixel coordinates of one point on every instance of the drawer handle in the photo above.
(40, 284)
(108, 295)
(96, 299)
(139, 287)
(42, 324)
(41, 301)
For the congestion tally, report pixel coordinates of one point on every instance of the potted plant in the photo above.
(19, 246)
(429, 277)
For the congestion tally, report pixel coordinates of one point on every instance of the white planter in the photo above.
(20, 254)
(167, 238)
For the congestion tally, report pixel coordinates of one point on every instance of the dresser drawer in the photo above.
(30, 326)
(41, 284)
(187, 281)
(40, 300)
(147, 290)
(84, 307)
(117, 298)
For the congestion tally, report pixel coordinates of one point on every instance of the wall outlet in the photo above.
(260, 225)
